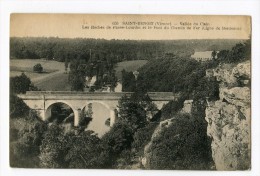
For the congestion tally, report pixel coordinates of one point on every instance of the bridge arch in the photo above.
(95, 101)
(110, 106)
(100, 114)
(61, 104)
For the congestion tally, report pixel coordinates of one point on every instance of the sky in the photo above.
(75, 26)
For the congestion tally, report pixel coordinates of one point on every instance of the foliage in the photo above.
(86, 116)
(38, 68)
(132, 117)
(116, 50)
(128, 81)
(20, 84)
(118, 138)
(17, 107)
(207, 88)
(124, 160)
(168, 74)
(172, 73)
(214, 54)
(76, 81)
(240, 52)
(25, 148)
(132, 113)
(85, 151)
(101, 67)
(66, 64)
(184, 76)
(172, 108)
(53, 148)
(180, 146)
(24, 144)
(142, 137)
(74, 149)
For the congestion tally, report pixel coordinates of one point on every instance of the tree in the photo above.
(38, 68)
(223, 55)
(213, 55)
(53, 149)
(240, 52)
(128, 81)
(85, 151)
(77, 81)
(77, 74)
(119, 138)
(132, 113)
(86, 116)
(20, 84)
(72, 150)
(66, 64)
(17, 107)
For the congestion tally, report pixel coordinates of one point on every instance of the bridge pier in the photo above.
(76, 116)
(112, 117)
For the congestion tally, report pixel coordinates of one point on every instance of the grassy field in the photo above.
(59, 82)
(17, 66)
(128, 66)
(52, 77)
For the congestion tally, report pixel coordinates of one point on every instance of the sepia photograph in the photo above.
(132, 92)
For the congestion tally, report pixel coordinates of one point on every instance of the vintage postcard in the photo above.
(152, 92)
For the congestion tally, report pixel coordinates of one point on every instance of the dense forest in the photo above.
(119, 50)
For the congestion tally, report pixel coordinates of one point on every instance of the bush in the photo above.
(38, 68)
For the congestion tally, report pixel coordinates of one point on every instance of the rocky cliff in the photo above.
(229, 118)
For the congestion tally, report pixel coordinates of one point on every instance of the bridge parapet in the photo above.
(64, 95)
(42, 101)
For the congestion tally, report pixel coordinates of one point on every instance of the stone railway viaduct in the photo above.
(42, 101)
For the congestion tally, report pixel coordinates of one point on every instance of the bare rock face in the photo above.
(225, 76)
(229, 119)
(239, 96)
(233, 76)
(242, 70)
